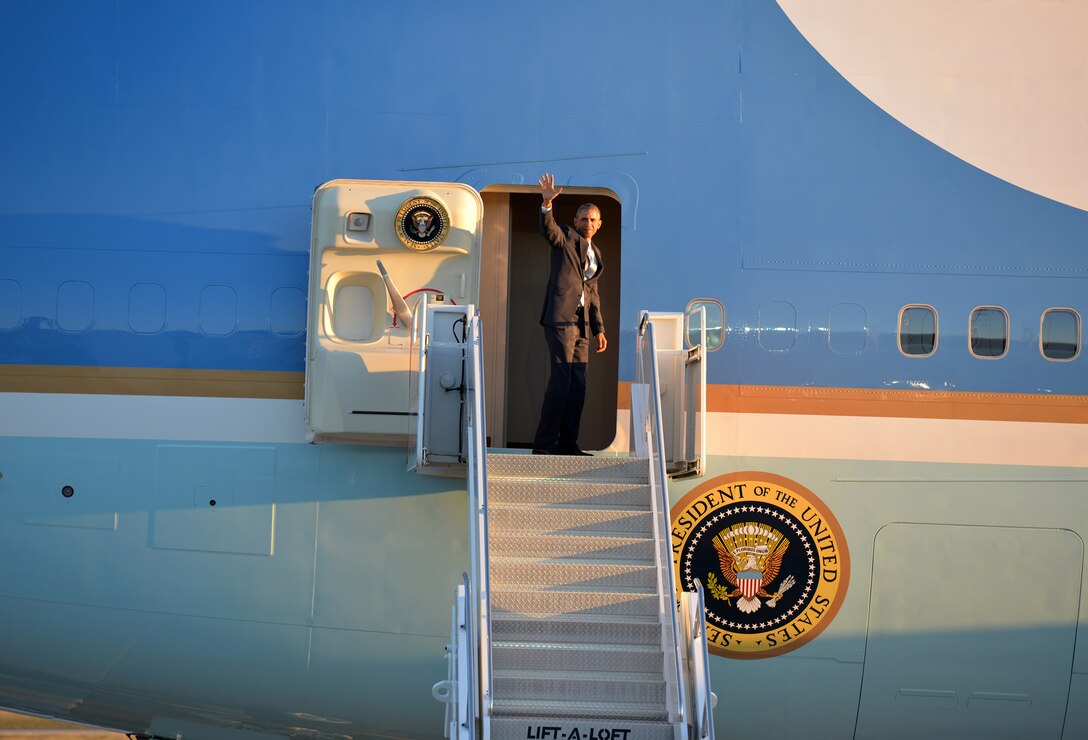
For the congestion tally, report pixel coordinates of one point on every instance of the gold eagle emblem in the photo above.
(750, 555)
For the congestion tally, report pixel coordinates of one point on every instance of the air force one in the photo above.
(270, 280)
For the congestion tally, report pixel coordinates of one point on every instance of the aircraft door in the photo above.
(376, 248)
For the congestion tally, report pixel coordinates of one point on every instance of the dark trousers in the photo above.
(561, 414)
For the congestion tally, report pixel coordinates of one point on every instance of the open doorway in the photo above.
(513, 275)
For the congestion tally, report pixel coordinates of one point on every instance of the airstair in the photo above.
(566, 626)
(576, 641)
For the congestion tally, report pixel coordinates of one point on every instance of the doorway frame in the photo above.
(494, 292)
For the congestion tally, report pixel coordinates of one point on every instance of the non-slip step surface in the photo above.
(574, 521)
(628, 630)
(647, 662)
(567, 467)
(551, 603)
(565, 492)
(602, 576)
(639, 549)
(572, 687)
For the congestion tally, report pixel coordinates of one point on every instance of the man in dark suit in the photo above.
(571, 315)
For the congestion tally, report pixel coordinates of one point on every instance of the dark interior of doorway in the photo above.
(526, 358)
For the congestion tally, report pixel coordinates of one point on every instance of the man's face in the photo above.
(587, 222)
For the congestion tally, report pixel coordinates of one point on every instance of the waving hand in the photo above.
(548, 190)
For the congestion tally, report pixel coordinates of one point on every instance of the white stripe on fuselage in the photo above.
(890, 439)
(728, 434)
(152, 417)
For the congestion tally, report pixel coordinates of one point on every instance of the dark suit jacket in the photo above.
(568, 255)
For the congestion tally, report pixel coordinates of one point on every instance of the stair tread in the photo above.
(556, 603)
(635, 713)
(574, 619)
(561, 547)
(624, 631)
(586, 543)
(570, 686)
(608, 538)
(567, 505)
(563, 674)
(578, 647)
(523, 491)
(594, 678)
(503, 465)
(502, 586)
(530, 559)
(541, 574)
(576, 660)
(572, 521)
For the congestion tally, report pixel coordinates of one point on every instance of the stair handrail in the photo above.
(695, 403)
(477, 489)
(659, 496)
(703, 698)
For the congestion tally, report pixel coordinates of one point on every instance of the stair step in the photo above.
(587, 629)
(640, 549)
(528, 519)
(578, 657)
(572, 687)
(567, 467)
(583, 721)
(549, 573)
(558, 493)
(573, 602)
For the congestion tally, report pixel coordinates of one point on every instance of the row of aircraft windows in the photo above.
(79, 305)
(1059, 330)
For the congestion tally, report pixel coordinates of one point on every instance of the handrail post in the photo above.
(705, 717)
(702, 392)
(477, 475)
(470, 719)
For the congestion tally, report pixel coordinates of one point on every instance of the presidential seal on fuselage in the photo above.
(771, 556)
(422, 224)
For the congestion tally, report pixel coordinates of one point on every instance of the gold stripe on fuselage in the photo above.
(751, 399)
(910, 404)
(150, 381)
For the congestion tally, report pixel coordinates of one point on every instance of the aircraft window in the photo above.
(777, 326)
(146, 308)
(847, 328)
(11, 299)
(918, 331)
(287, 312)
(1059, 338)
(218, 310)
(989, 334)
(715, 323)
(353, 313)
(75, 306)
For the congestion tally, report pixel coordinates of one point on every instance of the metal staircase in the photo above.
(567, 626)
(577, 640)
